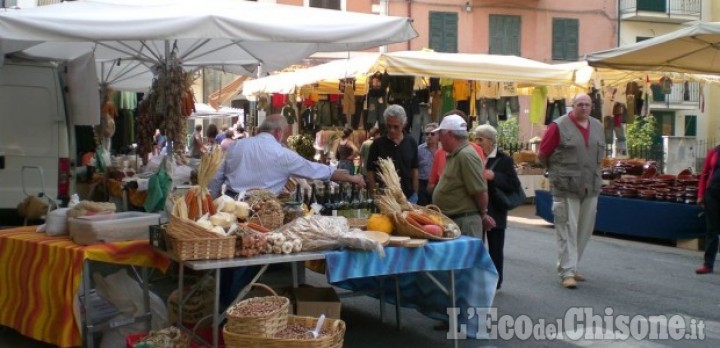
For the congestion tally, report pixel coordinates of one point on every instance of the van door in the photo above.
(33, 130)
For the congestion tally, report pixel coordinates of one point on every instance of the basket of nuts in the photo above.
(258, 316)
(295, 335)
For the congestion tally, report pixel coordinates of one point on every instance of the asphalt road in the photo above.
(635, 282)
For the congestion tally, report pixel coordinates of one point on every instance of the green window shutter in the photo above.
(565, 33)
(328, 4)
(505, 34)
(651, 5)
(443, 31)
(690, 125)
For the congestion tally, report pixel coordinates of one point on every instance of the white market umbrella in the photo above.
(694, 49)
(235, 36)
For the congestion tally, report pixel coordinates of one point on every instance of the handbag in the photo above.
(507, 200)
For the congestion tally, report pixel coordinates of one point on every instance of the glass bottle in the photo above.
(355, 205)
(327, 202)
(342, 203)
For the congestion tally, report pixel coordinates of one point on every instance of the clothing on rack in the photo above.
(554, 110)
(538, 103)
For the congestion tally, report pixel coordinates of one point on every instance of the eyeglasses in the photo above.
(394, 126)
(429, 133)
(583, 105)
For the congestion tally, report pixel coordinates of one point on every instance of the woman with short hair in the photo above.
(499, 173)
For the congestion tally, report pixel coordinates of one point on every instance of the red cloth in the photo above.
(439, 163)
(551, 140)
(333, 98)
(707, 172)
(278, 100)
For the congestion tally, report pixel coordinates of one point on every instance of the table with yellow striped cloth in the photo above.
(40, 275)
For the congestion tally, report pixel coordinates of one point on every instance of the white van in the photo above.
(34, 132)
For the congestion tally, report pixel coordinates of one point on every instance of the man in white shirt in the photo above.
(262, 162)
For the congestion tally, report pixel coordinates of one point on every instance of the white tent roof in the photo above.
(287, 82)
(232, 35)
(693, 49)
(469, 66)
(463, 66)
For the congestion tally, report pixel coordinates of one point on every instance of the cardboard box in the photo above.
(312, 302)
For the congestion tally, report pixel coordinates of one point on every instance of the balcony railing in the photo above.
(680, 93)
(673, 10)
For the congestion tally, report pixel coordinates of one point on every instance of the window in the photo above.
(328, 4)
(690, 125)
(443, 31)
(651, 5)
(642, 38)
(8, 3)
(565, 39)
(505, 34)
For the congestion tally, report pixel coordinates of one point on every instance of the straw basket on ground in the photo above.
(332, 335)
(258, 316)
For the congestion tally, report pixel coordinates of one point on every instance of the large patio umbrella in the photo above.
(693, 49)
(235, 36)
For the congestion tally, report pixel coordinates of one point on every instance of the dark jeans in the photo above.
(495, 245)
(712, 219)
(424, 197)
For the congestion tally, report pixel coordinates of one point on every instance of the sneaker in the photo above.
(704, 269)
(579, 277)
(569, 283)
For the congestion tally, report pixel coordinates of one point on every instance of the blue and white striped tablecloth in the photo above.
(475, 276)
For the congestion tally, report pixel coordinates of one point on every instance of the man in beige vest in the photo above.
(572, 149)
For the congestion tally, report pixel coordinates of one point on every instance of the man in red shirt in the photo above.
(572, 149)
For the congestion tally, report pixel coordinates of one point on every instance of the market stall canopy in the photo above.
(469, 66)
(464, 66)
(235, 36)
(694, 49)
(333, 71)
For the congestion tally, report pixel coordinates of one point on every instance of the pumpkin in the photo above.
(380, 222)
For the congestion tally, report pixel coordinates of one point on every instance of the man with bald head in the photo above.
(263, 162)
(572, 149)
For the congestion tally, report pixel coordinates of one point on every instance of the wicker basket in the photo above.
(333, 340)
(189, 241)
(268, 209)
(266, 325)
(404, 228)
(197, 307)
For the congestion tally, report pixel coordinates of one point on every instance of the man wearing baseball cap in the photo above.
(461, 192)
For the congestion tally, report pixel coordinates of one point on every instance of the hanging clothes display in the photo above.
(487, 111)
(289, 112)
(538, 103)
(554, 109)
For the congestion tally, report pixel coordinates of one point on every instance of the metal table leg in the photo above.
(454, 305)
(216, 308)
(397, 303)
(87, 314)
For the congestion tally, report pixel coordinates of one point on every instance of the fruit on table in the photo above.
(380, 222)
(435, 230)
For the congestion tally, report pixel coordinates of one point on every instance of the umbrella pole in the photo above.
(166, 68)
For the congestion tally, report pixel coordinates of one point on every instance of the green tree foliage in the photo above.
(508, 131)
(641, 132)
(303, 145)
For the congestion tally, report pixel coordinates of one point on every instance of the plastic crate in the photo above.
(111, 227)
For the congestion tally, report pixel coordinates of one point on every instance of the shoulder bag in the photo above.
(507, 200)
